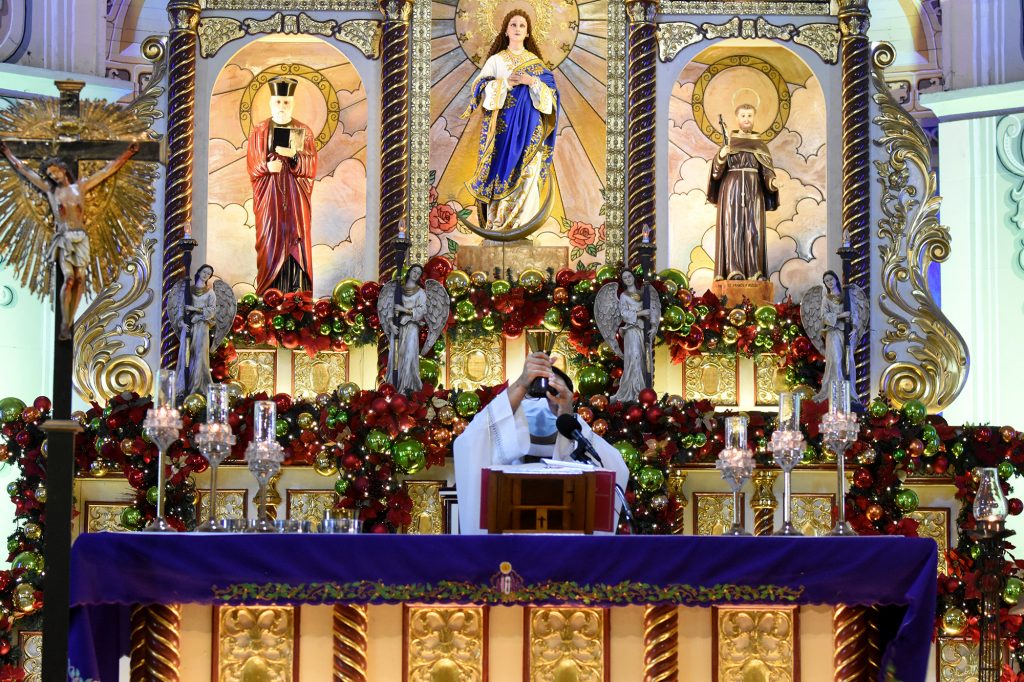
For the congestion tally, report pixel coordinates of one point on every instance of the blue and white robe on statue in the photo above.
(496, 436)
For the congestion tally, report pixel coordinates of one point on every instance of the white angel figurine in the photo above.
(201, 317)
(825, 321)
(403, 309)
(634, 315)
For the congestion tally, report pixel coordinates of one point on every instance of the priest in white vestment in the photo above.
(514, 429)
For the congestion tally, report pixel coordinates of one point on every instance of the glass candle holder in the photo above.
(990, 505)
(215, 440)
(162, 425)
(787, 446)
(839, 397)
(736, 433)
(264, 421)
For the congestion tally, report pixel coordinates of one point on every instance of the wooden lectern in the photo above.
(555, 502)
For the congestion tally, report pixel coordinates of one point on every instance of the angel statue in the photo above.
(834, 329)
(201, 316)
(403, 308)
(70, 244)
(634, 315)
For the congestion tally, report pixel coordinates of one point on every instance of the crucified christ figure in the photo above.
(70, 244)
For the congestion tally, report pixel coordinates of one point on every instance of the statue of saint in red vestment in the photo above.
(282, 165)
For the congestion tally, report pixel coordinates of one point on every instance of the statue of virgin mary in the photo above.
(517, 140)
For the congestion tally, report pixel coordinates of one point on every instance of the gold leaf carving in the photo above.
(822, 38)
(934, 525)
(710, 376)
(713, 512)
(812, 514)
(321, 373)
(231, 504)
(116, 315)
(769, 378)
(216, 32)
(31, 644)
(101, 516)
(312, 5)
(566, 644)
(427, 512)
(756, 644)
(364, 34)
(419, 133)
(615, 189)
(255, 643)
(445, 643)
(476, 362)
(310, 505)
(958, 660)
(674, 36)
(927, 358)
(766, 7)
(256, 370)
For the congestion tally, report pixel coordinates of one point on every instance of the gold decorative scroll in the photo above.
(445, 643)
(927, 358)
(216, 32)
(419, 134)
(958, 660)
(114, 319)
(476, 362)
(935, 525)
(769, 378)
(566, 644)
(742, 7)
(231, 504)
(321, 373)
(710, 376)
(30, 642)
(712, 512)
(312, 5)
(310, 505)
(255, 643)
(427, 512)
(812, 514)
(104, 516)
(755, 643)
(615, 132)
(674, 36)
(256, 370)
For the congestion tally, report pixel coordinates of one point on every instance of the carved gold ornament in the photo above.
(419, 134)
(115, 318)
(756, 643)
(427, 512)
(934, 524)
(216, 32)
(256, 370)
(312, 5)
(104, 516)
(445, 643)
(958, 660)
(910, 240)
(255, 643)
(766, 7)
(615, 131)
(712, 512)
(31, 644)
(710, 376)
(321, 373)
(476, 362)
(812, 514)
(310, 505)
(566, 644)
(231, 504)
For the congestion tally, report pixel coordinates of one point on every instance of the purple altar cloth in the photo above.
(112, 571)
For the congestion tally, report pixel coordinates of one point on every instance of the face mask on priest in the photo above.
(539, 416)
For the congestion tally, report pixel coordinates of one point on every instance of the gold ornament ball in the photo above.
(478, 278)
(676, 402)
(127, 446)
(916, 447)
(305, 420)
(586, 414)
(99, 467)
(532, 280)
(45, 448)
(194, 403)
(954, 621)
(5, 453)
(457, 283)
(599, 402)
(79, 416)
(447, 415)
(32, 531)
(730, 335)
(41, 493)
(324, 464)
(874, 512)
(235, 391)
(659, 502)
(29, 415)
(347, 391)
(600, 427)
(459, 426)
(1007, 432)
(737, 316)
(560, 295)
(25, 597)
(867, 457)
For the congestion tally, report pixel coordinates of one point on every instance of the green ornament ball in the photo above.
(344, 295)
(29, 561)
(12, 488)
(341, 486)
(878, 409)
(489, 323)
(13, 544)
(700, 440)
(899, 455)
(906, 500)
(914, 411)
(325, 329)
(467, 404)
(606, 273)
(277, 322)
(766, 316)
(151, 495)
(338, 326)
(283, 427)
(347, 391)
(928, 432)
(553, 320)
(10, 409)
(377, 441)
(672, 317)
(650, 479)
(584, 287)
(975, 551)
(500, 287)
(957, 449)
(130, 518)
(289, 323)
(439, 345)
(676, 276)
(430, 371)
(465, 311)
(409, 456)
(250, 300)
(630, 455)
(1012, 590)
(592, 379)
(1006, 469)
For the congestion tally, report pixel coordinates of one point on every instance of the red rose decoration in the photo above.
(581, 235)
(442, 218)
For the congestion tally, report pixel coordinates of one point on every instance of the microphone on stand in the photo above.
(570, 428)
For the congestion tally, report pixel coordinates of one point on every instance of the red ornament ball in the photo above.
(647, 397)
(438, 268)
(369, 291)
(1016, 506)
(634, 413)
(351, 462)
(290, 340)
(579, 316)
(273, 297)
(42, 403)
(862, 478)
(322, 308)
(283, 402)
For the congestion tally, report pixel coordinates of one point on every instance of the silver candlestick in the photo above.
(215, 441)
(264, 456)
(840, 428)
(162, 425)
(736, 462)
(787, 446)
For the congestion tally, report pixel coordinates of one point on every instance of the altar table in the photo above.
(113, 571)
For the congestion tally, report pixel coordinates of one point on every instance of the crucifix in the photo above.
(69, 253)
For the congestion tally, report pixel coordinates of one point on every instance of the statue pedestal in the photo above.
(759, 291)
(518, 255)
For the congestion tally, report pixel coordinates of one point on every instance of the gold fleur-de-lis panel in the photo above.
(958, 660)
(231, 504)
(812, 514)
(255, 643)
(445, 643)
(769, 378)
(712, 512)
(567, 644)
(310, 505)
(935, 525)
(755, 644)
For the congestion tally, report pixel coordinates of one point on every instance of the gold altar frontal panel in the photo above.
(567, 643)
(755, 643)
(935, 525)
(711, 376)
(769, 379)
(712, 512)
(256, 370)
(231, 504)
(310, 505)
(30, 644)
(957, 660)
(104, 516)
(444, 643)
(476, 362)
(812, 513)
(255, 643)
(321, 373)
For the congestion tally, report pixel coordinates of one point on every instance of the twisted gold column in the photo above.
(349, 632)
(137, 657)
(849, 643)
(676, 479)
(874, 652)
(640, 155)
(394, 121)
(855, 51)
(163, 623)
(764, 502)
(181, 101)
(661, 643)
